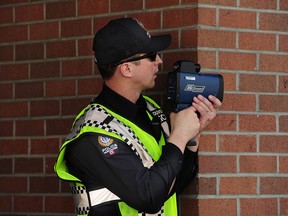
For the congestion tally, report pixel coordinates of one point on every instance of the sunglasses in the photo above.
(151, 56)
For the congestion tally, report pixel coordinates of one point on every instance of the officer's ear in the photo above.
(125, 69)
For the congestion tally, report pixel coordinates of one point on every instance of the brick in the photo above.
(284, 6)
(207, 16)
(6, 203)
(238, 185)
(45, 70)
(236, 102)
(6, 91)
(59, 49)
(77, 68)
(202, 185)
(44, 146)
(32, 51)
(14, 72)
(223, 123)
(13, 109)
(258, 207)
(237, 143)
(13, 147)
(204, 207)
(216, 39)
(237, 19)
(257, 123)
(283, 206)
(89, 86)
(283, 84)
(6, 166)
(7, 53)
(74, 106)
(44, 184)
(229, 84)
(232, 3)
(8, 2)
(189, 38)
(65, 187)
(73, 28)
(56, 88)
(175, 40)
(29, 13)
(273, 185)
(45, 108)
(59, 204)
(6, 15)
(273, 103)
(269, 143)
(283, 126)
(85, 47)
(23, 128)
(49, 164)
(62, 9)
(41, 31)
(13, 33)
(28, 204)
(91, 7)
(268, 4)
(207, 59)
(125, 5)
(237, 61)
(28, 165)
(208, 143)
(217, 164)
(257, 83)
(255, 41)
(179, 17)
(258, 164)
(6, 128)
(273, 22)
(283, 164)
(8, 184)
(63, 126)
(151, 20)
(99, 22)
(171, 58)
(29, 90)
(275, 63)
(160, 3)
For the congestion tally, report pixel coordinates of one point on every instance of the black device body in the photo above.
(185, 82)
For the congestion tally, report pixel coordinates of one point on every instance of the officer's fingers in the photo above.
(216, 102)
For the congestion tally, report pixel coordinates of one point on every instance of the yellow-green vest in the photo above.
(91, 119)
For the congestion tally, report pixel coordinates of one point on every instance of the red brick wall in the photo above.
(47, 75)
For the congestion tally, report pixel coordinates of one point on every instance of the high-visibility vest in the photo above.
(97, 118)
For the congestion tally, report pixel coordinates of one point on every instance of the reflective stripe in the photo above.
(80, 198)
(102, 196)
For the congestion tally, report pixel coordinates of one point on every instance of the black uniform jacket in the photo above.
(121, 171)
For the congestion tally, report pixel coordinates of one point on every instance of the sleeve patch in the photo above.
(108, 146)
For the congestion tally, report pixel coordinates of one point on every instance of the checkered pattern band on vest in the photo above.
(80, 198)
(105, 126)
(160, 213)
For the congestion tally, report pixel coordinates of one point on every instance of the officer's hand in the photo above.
(206, 108)
(185, 125)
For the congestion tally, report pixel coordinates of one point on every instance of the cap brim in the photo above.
(157, 43)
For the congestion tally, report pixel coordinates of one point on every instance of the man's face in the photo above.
(145, 72)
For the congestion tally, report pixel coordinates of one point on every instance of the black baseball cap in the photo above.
(124, 37)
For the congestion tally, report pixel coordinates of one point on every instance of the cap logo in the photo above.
(142, 26)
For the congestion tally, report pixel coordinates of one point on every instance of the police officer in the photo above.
(122, 157)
